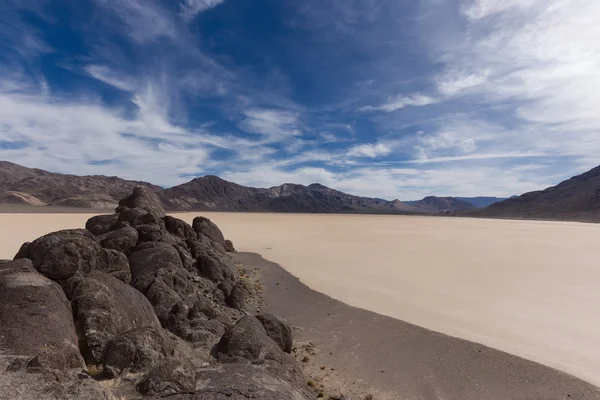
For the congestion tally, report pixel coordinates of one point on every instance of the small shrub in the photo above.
(311, 383)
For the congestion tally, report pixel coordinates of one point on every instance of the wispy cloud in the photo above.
(190, 8)
(400, 102)
(369, 150)
(276, 124)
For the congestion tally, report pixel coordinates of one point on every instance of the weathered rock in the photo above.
(148, 219)
(149, 258)
(35, 318)
(144, 198)
(279, 330)
(247, 340)
(173, 376)
(239, 294)
(247, 381)
(198, 246)
(135, 350)
(150, 233)
(229, 246)
(179, 228)
(186, 258)
(123, 240)
(101, 224)
(116, 264)
(23, 251)
(130, 214)
(219, 269)
(105, 307)
(204, 226)
(60, 255)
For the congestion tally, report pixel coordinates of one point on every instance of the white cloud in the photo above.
(106, 75)
(400, 102)
(190, 8)
(370, 150)
(269, 122)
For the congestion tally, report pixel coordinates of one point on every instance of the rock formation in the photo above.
(138, 305)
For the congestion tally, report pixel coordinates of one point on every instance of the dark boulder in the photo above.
(62, 254)
(116, 264)
(229, 246)
(35, 319)
(130, 214)
(149, 258)
(144, 198)
(279, 330)
(23, 251)
(204, 226)
(173, 376)
(150, 233)
(248, 381)
(135, 350)
(179, 228)
(101, 224)
(198, 246)
(124, 240)
(105, 307)
(247, 340)
(219, 269)
(239, 294)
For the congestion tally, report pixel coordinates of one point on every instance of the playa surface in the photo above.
(525, 287)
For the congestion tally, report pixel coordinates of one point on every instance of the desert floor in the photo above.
(528, 288)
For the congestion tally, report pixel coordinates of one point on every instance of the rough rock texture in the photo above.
(145, 198)
(204, 226)
(105, 307)
(123, 240)
(229, 246)
(279, 330)
(35, 319)
(62, 254)
(172, 376)
(141, 301)
(101, 223)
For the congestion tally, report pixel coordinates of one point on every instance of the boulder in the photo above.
(173, 376)
(204, 226)
(23, 251)
(219, 269)
(149, 258)
(101, 224)
(179, 228)
(35, 319)
(239, 294)
(105, 307)
(150, 233)
(116, 264)
(247, 340)
(279, 330)
(62, 254)
(145, 198)
(124, 240)
(135, 350)
(248, 381)
(229, 246)
(130, 214)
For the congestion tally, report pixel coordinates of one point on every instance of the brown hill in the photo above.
(213, 193)
(435, 205)
(575, 199)
(23, 185)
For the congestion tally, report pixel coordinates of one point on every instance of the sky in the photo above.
(381, 98)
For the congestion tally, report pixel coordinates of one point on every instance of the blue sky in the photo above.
(385, 98)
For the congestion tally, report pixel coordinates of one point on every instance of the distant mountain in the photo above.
(577, 198)
(481, 202)
(21, 185)
(211, 193)
(436, 205)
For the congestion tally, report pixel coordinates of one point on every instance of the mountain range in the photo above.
(575, 199)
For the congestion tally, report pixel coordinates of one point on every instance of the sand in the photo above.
(525, 287)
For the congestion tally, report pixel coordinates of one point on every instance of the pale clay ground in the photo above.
(528, 288)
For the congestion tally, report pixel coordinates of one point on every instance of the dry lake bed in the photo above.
(525, 287)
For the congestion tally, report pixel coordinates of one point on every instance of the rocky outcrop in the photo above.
(142, 197)
(143, 300)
